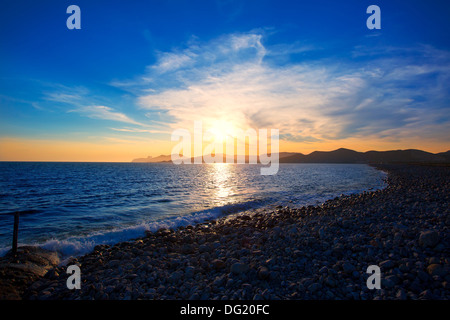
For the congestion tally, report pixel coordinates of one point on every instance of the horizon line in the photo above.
(294, 152)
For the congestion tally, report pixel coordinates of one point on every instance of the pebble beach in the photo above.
(315, 252)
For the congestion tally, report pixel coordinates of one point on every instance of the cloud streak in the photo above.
(137, 130)
(105, 113)
(231, 78)
(81, 99)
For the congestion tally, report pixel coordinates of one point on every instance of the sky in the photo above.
(117, 88)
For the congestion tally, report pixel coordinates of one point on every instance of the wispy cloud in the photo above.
(64, 94)
(33, 104)
(137, 130)
(105, 113)
(173, 61)
(80, 101)
(391, 93)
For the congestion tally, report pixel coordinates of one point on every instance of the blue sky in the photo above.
(137, 70)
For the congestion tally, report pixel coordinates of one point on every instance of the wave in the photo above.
(297, 186)
(80, 245)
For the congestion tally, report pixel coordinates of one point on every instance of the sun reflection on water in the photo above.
(222, 182)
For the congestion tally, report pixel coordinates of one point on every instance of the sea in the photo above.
(71, 207)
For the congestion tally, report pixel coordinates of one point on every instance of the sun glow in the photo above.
(219, 130)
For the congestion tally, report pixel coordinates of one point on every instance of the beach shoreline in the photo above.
(72, 218)
(315, 252)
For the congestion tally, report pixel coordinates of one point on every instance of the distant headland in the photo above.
(343, 155)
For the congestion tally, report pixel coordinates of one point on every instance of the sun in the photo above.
(221, 129)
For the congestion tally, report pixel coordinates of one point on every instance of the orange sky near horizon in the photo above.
(19, 149)
(316, 73)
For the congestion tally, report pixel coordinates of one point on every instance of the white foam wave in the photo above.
(77, 246)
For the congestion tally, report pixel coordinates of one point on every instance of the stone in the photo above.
(348, 267)
(263, 273)
(393, 278)
(218, 264)
(313, 287)
(428, 239)
(330, 282)
(189, 272)
(239, 268)
(423, 276)
(433, 260)
(387, 283)
(187, 248)
(436, 269)
(387, 264)
(403, 267)
(322, 233)
(175, 276)
(323, 270)
(204, 248)
(219, 281)
(427, 294)
(401, 295)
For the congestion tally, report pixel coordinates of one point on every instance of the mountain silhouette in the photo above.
(350, 156)
(343, 155)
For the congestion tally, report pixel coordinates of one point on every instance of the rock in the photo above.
(230, 283)
(329, 281)
(194, 296)
(428, 239)
(277, 231)
(433, 260)
(436, 270)
(427, 295)
(19, 272)
(393, 278)
(189, 272)
(175, 276)
(204, 248)
(293, 231)
(401, 294)
(423, 276)
(321, 233)
(404, 268)
(387, 283)
(263, 273)
(313, 287)
(239, 268)
(52, 274)
(329, 295)
(187, 248)
(348, 267)
(218, 264)
(415, 286)
(247, 287)
(387, 264)
(323, 270)
(219, 281)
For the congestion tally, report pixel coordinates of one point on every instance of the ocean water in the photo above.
(71, 207)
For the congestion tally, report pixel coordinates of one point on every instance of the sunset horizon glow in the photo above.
(117, 88)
